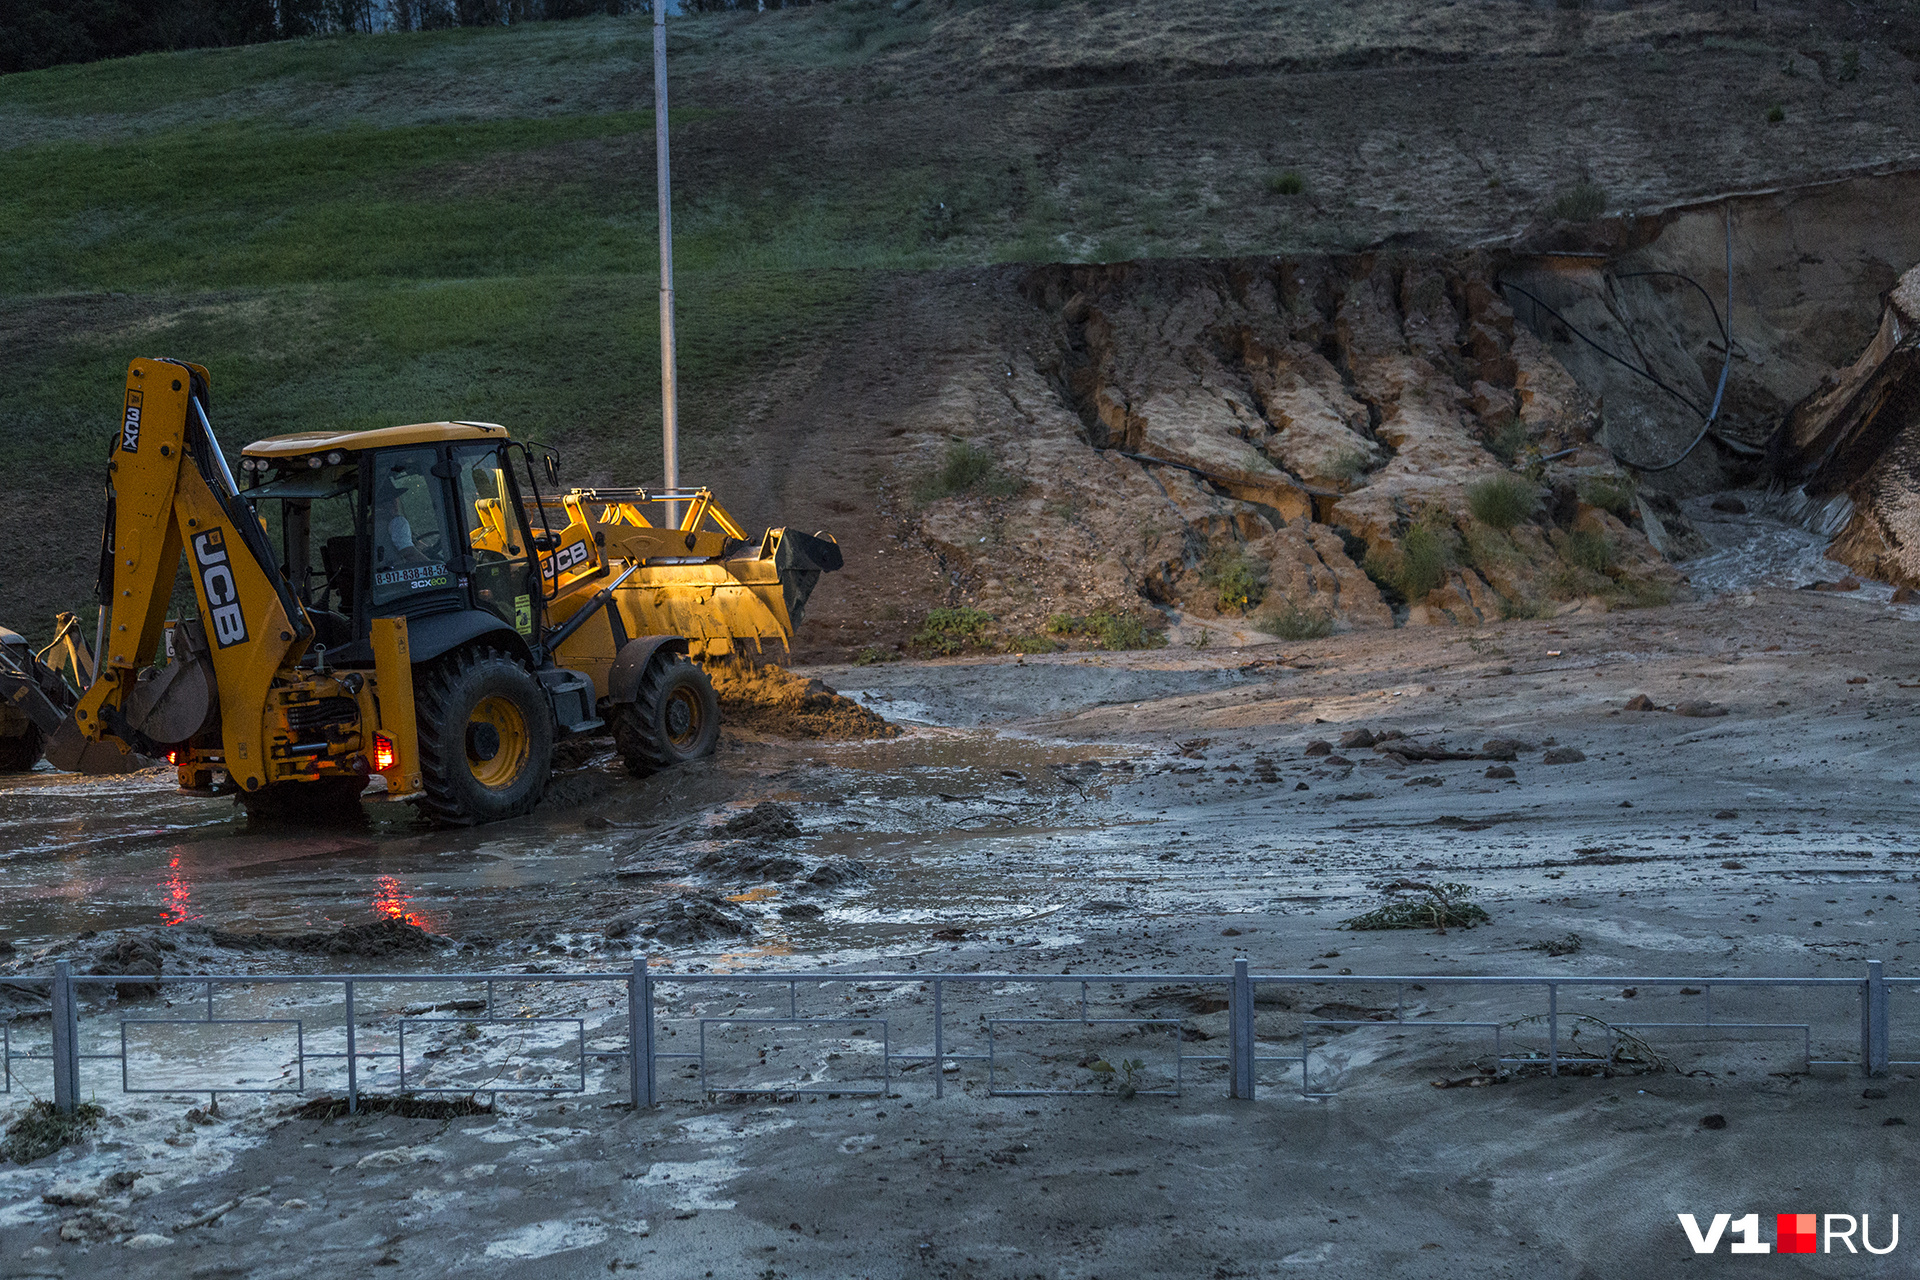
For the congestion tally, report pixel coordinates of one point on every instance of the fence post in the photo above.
(66, 1039)
(353, 1062)
(939, 1044)
(1553, 1028)
(1873, 1021)
(1240, 1021)
(641, 1087)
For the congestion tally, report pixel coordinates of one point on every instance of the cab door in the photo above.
(502, 573)
(414, 552)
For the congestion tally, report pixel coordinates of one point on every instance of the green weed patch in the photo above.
(1437, 906)
(42, 1129)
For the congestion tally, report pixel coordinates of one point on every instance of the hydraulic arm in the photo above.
(169, 491)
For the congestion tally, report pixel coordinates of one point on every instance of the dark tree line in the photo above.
(44, 33)
(47, 33)
(436, 15)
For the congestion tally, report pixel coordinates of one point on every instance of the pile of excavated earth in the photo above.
(770, 699)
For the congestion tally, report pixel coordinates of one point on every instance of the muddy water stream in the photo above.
(1030, 839)
(1035, 804)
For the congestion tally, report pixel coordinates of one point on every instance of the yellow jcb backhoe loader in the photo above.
(410, 602)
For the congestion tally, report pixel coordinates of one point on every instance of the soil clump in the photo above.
(752, 863)
(769, 820)
(684, 921)
(836, 872)
(773, 700)
(134, 955)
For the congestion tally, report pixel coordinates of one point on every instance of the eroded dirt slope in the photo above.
(1319, 408)
(1311, 413)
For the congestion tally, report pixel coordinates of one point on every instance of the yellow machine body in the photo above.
(245, 696)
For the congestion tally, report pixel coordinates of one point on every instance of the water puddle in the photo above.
(99, 854)
(898, 710)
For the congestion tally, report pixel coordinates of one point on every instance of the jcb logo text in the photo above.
(222, 591)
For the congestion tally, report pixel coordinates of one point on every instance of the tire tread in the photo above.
(443, 745)
(20, 752)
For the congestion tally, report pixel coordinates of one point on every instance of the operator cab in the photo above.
(407, 521)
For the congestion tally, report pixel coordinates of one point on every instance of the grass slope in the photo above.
(337, 273)
(475, 254)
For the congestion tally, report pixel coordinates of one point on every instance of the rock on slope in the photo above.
(1286, 439)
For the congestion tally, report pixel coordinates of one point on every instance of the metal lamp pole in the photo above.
(669, 391)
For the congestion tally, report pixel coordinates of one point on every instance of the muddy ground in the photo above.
(1156, 812)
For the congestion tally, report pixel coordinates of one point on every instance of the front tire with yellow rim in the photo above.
(486, 738)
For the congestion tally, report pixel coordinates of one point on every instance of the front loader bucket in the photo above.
(756, 595)
(798, 561)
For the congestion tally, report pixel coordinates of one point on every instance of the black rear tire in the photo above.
(674, 718)
(20, 752)
(328, 802)
(486, 738)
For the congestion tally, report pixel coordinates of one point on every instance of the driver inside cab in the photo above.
(392, 531)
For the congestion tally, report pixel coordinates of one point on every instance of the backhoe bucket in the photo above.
(72, 751)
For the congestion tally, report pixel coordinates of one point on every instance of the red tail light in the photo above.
(384, 756)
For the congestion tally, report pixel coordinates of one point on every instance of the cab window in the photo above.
(408, 524)
(309, 516)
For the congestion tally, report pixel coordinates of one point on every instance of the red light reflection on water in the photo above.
(394, 902)
(179, 891)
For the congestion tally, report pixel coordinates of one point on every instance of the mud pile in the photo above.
(768, 820)
(772, 700)
(381, 938)
(750, 863)
(684, 921)
(134, 955)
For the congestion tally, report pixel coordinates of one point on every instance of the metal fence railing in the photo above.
(293, 1034)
